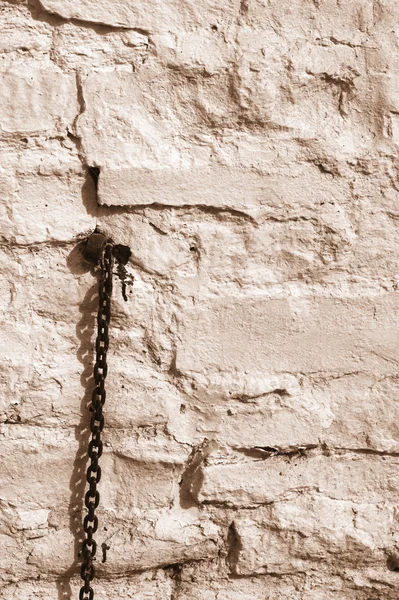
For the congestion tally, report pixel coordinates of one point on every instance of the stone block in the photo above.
(138, 473)
(290, 335)
(37, 99)
(152, 539)
(363, 412)
(42, 208)
(348, 23)
(248, 411)
(216, 187)
(292, 535)
(144, 586)
(170, 16)
(350, 477)
(20, 34)
(79, 47)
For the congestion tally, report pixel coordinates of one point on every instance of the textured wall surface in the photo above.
(247, 153)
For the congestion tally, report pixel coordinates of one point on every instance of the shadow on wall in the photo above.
(85, 354)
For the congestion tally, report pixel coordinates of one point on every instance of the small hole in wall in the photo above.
(94, 172)
(393, 562)
(182, 408)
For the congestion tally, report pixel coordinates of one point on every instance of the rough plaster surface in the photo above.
(247, 153)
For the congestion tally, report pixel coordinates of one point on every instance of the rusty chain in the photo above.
(93, 475)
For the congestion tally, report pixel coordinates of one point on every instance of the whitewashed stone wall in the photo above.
(247, 153)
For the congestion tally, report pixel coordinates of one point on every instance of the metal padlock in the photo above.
(93, 248)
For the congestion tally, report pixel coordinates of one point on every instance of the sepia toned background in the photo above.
(247, 153)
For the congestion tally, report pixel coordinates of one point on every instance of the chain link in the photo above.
(95, 449)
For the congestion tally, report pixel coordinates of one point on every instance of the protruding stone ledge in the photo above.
(158, 16)
(219, 187)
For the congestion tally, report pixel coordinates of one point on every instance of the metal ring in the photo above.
(93, 477)
(95, 447)
(87, 571)
(83, 592)
(94, 520)
(91, 548)
(90, 503)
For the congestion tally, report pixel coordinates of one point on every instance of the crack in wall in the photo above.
(215, 211)
(234, 548)
(192, 478)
